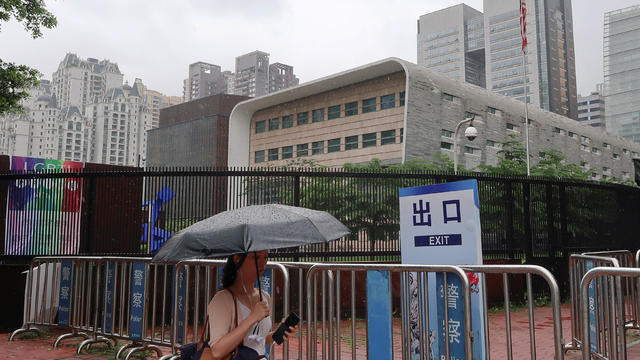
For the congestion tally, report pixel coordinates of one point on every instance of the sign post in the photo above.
(440, 225)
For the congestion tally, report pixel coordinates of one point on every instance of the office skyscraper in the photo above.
(622, 72)
(453, 41)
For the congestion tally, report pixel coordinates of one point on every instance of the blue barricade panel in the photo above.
(109, 269)
(379, 327)
(137, 301)
(64, 297)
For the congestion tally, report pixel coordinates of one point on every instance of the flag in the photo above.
(523, 24)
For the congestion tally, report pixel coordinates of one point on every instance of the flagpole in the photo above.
(523, 34)
(526, 111)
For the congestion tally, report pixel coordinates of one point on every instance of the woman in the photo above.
(253, 327)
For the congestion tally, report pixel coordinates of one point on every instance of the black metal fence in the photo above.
(133, 212)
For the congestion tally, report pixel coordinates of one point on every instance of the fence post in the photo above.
(508, 206)
(528, 238)
(563, 221)
(88, 247)
(550, 223)
(296, 190)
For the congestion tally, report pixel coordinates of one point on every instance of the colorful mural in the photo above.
(43, 215)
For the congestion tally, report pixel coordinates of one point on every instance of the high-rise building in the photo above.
(77, 81)
(622, 72)
(252, 74)
(204, 80)
(154, 101)
(591, 108)
(111, 129)
(451, 41)
(118, 121)
(454, 40)
(281, 76)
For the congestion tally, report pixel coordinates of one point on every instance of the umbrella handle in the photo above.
(255, 257)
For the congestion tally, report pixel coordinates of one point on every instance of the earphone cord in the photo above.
(246, 293)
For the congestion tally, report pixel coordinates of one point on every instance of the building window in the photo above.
(333, 112)
(556, 130)
(616, 156)
(595, 150)
(351, 142)
(446, 145)
(491, 110)
(351, 108)
(261, 126)
(287, 121)
(303, 118)
(625, 151)
(512, 127)
(287, 152)
(388, 137)
(274, 124)
(492, 143)
(572, 134)
(470, 150)
(273, 154)
(606, 146)
(387, 101)
(369, 140)
(317, 115)
(401, 135)
(259, 156)
(317, 147)
(446, 133)
(368, 105)
(402, 98)
(302, 150)
(447, 97)
(333, 145)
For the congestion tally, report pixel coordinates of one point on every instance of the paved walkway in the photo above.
(42, 348)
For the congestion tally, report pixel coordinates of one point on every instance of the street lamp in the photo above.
(470, 133)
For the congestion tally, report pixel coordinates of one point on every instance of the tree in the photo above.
(15, 79)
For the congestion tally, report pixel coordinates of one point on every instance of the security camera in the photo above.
(471, 133)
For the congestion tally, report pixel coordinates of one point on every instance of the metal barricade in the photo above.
(629, 286)
(618, 342)
(74, 274)
(528, 271)
(190, 302)
(121, 303)
(297, 274)
(578, 267)
(331, 329)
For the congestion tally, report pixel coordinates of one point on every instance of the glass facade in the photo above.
(622, 72)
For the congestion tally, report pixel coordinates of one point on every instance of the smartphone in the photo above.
(291, 321)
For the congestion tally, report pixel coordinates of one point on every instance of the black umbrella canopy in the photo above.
(252, 228)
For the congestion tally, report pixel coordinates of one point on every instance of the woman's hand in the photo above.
(287, 333)
(260, 311)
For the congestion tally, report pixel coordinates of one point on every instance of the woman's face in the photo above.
(248, 268)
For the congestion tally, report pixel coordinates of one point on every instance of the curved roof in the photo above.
(417, 77)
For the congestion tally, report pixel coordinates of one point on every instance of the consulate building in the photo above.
(395, 110)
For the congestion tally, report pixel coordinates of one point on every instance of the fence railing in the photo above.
(134, 212)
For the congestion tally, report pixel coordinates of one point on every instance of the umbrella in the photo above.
(249, 229)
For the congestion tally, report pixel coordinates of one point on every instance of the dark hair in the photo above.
(230, 270)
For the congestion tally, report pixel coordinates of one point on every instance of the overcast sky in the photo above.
(157, 40)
